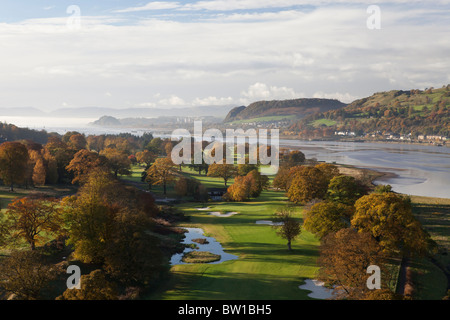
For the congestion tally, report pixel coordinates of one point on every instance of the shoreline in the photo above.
(374, 175)
(442, 144)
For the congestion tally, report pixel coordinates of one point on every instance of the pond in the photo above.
(211, 245)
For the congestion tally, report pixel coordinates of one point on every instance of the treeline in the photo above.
(62, 159)
(10, 132)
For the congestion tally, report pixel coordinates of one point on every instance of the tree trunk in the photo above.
(164, 188)
(289, 245)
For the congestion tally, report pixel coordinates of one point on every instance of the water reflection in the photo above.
(211, 246)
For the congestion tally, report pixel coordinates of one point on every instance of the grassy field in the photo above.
(434, 215)
(326, 122)
(265, 269)
(7, 197)
(264, 119)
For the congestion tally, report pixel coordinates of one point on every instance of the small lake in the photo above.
(212, 246)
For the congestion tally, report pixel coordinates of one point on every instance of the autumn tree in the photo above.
(344, 258)
(222, 170)
(292, 159)
(381, 188)
(95, 143)
(258, 183)
(133, 254)
(94, 286)
(39, 172)
(161, 172)
(83, 162)
(345, 189)
(51, 167)
(25, 274)
(388, 218)
(187, 187)
(155, 146)
(13, 163)
(105, 227)
(328, 170)
(327, 217)
(286, 225)
(244, 169)
(89, 216)
(58, 151)
(145, 157)
(118, 161)
(239, 190)
(77, 141)
(280, 181)
(307, 184)
(30, 217)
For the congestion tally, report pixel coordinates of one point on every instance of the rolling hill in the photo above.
(398, 112)
(295, 108)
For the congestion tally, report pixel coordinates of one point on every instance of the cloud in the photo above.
(212, 101)
(172, 101)
(343, 97)
(239, 5)
(261, 91)
(156, 5)
(237, 57)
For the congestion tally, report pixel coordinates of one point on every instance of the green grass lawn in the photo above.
(434, 215)
(265, 119)
(265, 269)
(326, 122)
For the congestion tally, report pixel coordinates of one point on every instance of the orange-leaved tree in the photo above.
(13, 163)
(388, 218)
(162, 172)
(28, 218)
(222, 170)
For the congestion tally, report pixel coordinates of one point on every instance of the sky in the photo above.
(173, 54)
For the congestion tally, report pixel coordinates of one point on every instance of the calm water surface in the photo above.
(419, 169)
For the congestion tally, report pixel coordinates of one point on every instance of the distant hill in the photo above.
(401, 112)
(97, 112)
(297, 108)
(10, 132)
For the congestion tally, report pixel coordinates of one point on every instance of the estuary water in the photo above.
(422, 170)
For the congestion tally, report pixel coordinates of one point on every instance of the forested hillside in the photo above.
(298, 108)
(415, 112)
(10, 132)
